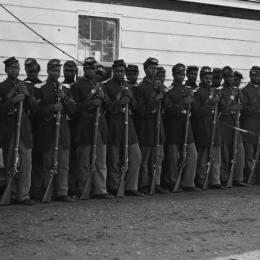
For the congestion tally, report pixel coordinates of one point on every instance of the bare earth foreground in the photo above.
(205, 225)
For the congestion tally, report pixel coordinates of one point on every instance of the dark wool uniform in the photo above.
(8, 112)
(146, 118)
(250, 120)
(116, 128)
(175, 123)
(46, 128)
(229, 98)
(84, 94)
(203, 113)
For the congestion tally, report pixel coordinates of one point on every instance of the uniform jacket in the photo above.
(85, 114)
(229, 97)
(47, 119)
(8, 116)
(175, 121)
(146, 114)
(203, 114)
(250, 119)
(115, 113)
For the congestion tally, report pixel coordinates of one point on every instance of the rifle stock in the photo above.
(184, 151)
(252, 172)
(54, 169)
(6, 198)
(124, 168)
(87, 188)
(234, 159)
(156, 161)
(209, 164)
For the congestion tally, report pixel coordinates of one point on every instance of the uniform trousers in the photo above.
(147, 163)
(115, 161)
(214, 176)
(60, 182)
(173, 158)
(250, 153)
(22, 180)
(226, 157)
(84, 153)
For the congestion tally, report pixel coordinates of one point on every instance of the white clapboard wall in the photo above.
(170, 36)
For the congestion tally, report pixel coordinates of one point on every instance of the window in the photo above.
(98, 38)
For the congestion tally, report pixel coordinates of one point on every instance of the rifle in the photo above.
(184, 151)
(6, 198)
(87, 188)
(54, 168)
(124, 168)
(252, 172)
(209, 163)
(234, 159)
(156, 161)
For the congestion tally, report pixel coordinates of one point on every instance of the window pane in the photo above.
(109, 30)
(96, 29)
(84, 27)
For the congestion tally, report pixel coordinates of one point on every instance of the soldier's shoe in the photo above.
(103, 196)
(144, 189)
(27, 202)
(64, 198)
(240, 184)
(160, 190)
(191, 189)
(217, 187)
(134, 193)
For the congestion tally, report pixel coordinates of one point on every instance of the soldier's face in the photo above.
(206, 79)
(54, 73)
(89, 72)
(119, 73)
(237, 81)
(69, 74)
(192, 75)
(179, 77)
(255, 78)
(132, 76)
(151, 71)
(229, 80)
(217, 80)
(161, 77)
(12, 70)
(32, 71)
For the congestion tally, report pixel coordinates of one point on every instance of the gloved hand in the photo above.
(18, 97)
(57, 107)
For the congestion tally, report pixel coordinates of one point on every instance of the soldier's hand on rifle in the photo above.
(100, 94)
(97, 102)
(216, 99)
(124, 100)
(237, 107)
(188, 100)
(60, 93)
(18, 97)
(57, 107)
(22, 88)
(159, 97)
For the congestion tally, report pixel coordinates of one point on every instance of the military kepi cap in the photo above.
(30, 62)
(10, 61)
(70, 64)
(192, 68)
(177, 68)
(89, 62)
(118, 63)
(205, 70)
(53, 63)
(132, 67)
(238, 74)
(150, 61)
(255, 70)
(100, 70)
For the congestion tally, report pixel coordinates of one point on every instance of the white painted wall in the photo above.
(170, 36)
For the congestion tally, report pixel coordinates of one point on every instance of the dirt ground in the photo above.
(176, 226)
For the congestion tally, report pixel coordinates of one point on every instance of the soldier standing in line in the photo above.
(32, 81)
(70, 72)
(89, 95)
(48, 107)
(206, 99)
(192, 74)
(148, 96)
(237, 79)
(12, 91)
(228, 109)
(250, 120)
(176, 104)
(118, 94)
(216, 77)
(161, 74)
(132, 73)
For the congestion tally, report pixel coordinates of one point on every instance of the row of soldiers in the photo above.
(161, 122)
